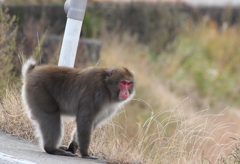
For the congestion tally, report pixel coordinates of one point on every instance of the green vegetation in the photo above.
(8, 31)
(206, 60)
(92, 25)
(10, 57)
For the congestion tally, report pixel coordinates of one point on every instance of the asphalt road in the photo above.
(14, 150)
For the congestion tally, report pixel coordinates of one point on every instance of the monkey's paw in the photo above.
(63, 147)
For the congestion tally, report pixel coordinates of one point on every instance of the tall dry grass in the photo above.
(191, 142)
(13, 117)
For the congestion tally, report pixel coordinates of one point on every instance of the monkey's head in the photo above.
(120, 82)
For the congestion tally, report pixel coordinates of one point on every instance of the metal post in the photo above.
(75, 10)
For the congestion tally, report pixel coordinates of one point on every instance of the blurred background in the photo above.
(185, 54)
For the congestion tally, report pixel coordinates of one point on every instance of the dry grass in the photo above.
(13, 116)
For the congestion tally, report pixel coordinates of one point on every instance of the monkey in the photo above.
(91, 96)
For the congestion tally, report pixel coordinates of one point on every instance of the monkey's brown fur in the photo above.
(91, 95)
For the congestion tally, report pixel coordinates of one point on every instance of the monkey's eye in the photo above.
(124, 82)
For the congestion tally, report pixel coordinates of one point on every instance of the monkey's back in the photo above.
(64, 89)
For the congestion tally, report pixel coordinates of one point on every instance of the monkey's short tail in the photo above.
(27, 66)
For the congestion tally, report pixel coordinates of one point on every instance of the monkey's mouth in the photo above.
(123, 97)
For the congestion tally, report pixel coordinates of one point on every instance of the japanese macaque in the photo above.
(91, 95)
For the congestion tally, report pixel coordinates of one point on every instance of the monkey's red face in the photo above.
(124, 89)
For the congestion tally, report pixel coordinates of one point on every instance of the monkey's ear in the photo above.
(110, 71)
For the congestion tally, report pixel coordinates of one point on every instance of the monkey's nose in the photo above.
(125, 95)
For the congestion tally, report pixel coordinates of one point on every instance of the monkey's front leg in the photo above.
(84, 131)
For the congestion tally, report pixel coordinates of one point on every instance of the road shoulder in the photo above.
(22, 152)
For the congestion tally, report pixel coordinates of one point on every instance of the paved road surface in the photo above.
(14, 150)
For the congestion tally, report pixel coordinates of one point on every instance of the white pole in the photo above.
(70, 43)
(75, 10)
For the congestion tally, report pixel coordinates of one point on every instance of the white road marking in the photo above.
(8, 159)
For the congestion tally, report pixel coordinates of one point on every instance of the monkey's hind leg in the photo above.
(50, 127)
(73, 146)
